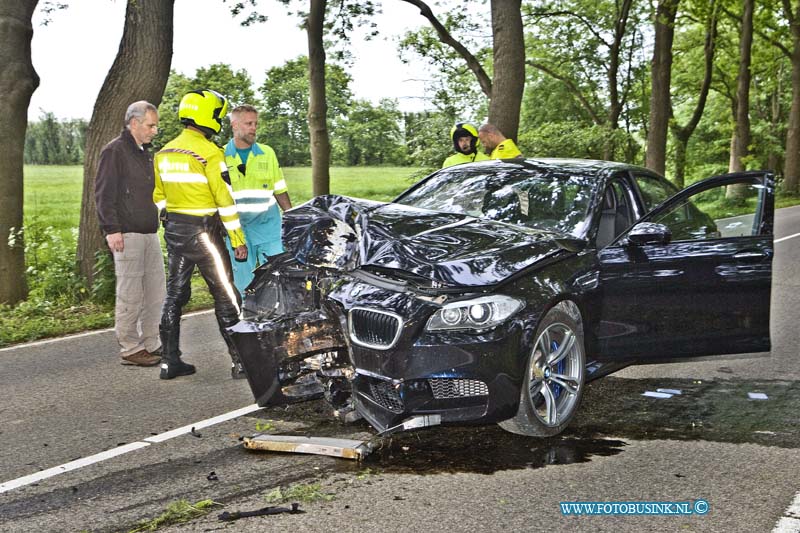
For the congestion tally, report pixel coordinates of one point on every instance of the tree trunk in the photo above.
(139, 72)
(656, 155)
(681, 143)
(791, 169)
(18, 80)
(741, 139)
(445, 37)
(615, 103)
(509, 66)
(682, 134)
(317, 105)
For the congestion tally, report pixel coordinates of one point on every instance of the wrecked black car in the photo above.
(493, 291)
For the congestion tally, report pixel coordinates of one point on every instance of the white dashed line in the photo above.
(202, 424)
(790, 522)
(121, 450)
(786, 238)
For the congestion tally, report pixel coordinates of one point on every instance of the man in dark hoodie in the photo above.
(129, 221)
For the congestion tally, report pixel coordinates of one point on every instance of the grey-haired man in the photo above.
(129, 220)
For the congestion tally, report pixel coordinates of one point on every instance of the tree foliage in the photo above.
(284, 96)
(50, 141)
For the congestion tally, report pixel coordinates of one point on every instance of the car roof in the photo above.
(567, 164)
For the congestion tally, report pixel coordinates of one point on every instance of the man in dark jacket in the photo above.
(129, 220)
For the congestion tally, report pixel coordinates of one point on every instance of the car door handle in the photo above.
(750, 255)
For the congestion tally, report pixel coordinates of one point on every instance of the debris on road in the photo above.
(652, 394)
(236, 515)
(345, 448)
(757, 396)
(670, 391)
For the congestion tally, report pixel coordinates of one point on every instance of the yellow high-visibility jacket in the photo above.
(506, 150)
(188, 172)
(458, 158)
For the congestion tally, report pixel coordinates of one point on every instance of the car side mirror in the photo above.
(649, 233)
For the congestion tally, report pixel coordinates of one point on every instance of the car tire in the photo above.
(554, 375)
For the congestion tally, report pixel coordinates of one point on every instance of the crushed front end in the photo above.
(364, 317)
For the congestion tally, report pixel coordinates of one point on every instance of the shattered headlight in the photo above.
(480, 313)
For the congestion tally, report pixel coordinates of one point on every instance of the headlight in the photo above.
(480, 313)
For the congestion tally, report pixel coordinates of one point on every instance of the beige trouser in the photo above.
(141, 288)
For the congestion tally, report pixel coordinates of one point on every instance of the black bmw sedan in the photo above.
(493, 291)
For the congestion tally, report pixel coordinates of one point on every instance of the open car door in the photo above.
(693, 276)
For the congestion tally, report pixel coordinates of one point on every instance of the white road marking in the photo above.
(203, 424)
(121, 450)
(72, 465)
(790, 522)
(786, 238)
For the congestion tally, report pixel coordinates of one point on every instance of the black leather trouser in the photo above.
(196, 241)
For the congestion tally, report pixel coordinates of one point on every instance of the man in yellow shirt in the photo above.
(496, 144)
(465, 143)
(191, 187)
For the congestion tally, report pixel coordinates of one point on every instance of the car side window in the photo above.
(615, 215)
(719, 212)
(653, 190)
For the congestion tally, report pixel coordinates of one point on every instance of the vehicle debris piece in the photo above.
(669, 391)
(345, 448)
(236, 515)
(757, 396)
(652, 394)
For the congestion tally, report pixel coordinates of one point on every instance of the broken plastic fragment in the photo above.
(345, 448)
(757, 396)
(652, 394)
(669, 391)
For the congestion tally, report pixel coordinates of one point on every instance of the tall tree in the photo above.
(283, 123)
(600, 64)
(317, 104)
(505, 88)
(18, 80)
(139, 72)
(682, 133)
(317, 21)
(660, 80)
(791, 168)
(740, 141)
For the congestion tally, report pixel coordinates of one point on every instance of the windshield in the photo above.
(549, 199)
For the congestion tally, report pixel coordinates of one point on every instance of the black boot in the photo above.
(171, 364)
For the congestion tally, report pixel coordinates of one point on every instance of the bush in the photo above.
(51, 268)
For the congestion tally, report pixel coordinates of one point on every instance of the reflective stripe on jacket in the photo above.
(189, 180)
(254, 191)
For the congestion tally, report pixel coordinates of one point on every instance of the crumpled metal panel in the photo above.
(437, 249)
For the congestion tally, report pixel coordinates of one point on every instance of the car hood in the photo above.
(432, 248)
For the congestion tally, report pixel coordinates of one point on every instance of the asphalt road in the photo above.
(69, 399)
